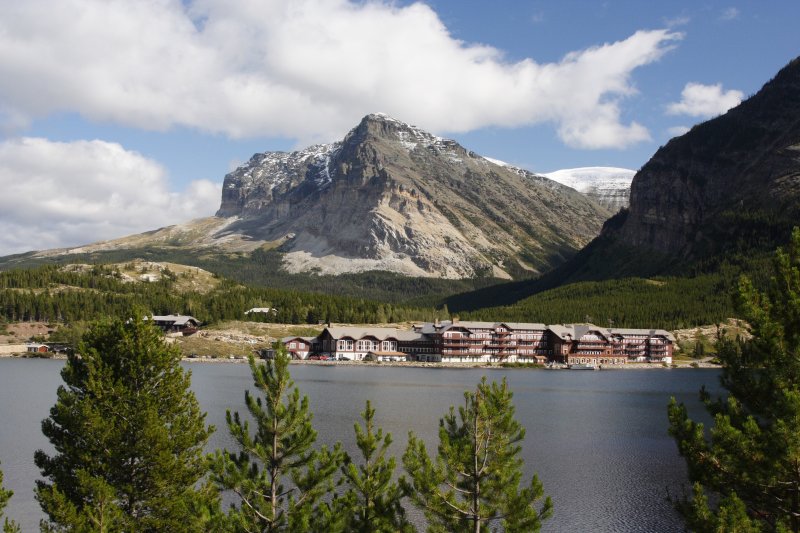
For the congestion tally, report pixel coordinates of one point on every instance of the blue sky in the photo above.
(119, 117)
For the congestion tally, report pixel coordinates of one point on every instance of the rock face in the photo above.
(608, 186)
(728, 185)
(393, 197)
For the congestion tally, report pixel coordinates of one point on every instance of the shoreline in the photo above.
(466, 366)
(410, 364)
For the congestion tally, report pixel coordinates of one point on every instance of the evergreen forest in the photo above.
(626, 290)
(57, 294)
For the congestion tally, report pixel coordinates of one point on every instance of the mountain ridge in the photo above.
(721, 197)
(388, 197)
(402, 199)
(730, 183)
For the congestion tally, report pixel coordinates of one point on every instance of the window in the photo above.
(366, 345)
(345, 345)
(389, 346)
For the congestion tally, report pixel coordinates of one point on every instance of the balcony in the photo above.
(458, 352)
(591, 346)
(500, 345)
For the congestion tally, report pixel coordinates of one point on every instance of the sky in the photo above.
(118, 117)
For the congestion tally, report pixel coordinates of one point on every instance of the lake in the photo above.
(598, 440)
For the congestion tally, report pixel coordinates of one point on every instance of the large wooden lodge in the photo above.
(484, 342)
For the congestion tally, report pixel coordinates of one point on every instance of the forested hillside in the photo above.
(53, 294)
(262, 268)
(669, 303)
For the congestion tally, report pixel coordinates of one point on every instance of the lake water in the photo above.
(598, 440)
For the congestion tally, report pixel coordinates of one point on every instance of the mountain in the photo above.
(388, 197)
(730, 185)
(727, 191)
(393, 197)
(608, 186)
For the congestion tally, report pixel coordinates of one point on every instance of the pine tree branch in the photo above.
(250, 506)
(462, 491)
(454, 507)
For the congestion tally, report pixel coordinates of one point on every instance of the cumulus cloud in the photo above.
(65, 194)
(698, 100)
(306, 69)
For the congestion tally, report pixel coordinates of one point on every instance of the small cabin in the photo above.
(37, 348)
(176, 323)
(298, 347)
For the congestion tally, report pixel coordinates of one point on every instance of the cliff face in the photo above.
(391, 196)
(728, 184)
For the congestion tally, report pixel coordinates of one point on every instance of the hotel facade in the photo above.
(485, 342)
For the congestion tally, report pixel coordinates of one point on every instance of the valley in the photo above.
(393, 224)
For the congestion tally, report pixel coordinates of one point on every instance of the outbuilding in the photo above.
(37, 348)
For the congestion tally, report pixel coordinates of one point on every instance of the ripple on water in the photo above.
(598, 440)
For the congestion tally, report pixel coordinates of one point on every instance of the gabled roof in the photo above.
(648, 332)
(359, 332)
(563, 331)
(426, 328)
(402, 335)
(582, 329)
(178, 320)
(290, 339)
(524, 325)
(473, 324)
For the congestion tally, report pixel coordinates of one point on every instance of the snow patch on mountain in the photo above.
(609, 186)
(496, 162)
(272, 169)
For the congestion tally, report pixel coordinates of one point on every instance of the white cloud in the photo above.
(675, 22)
(698, 100)
(677, 131)
(730, 13)
(306, 69)
(65, 194)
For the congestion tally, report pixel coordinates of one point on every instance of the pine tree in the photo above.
(128, 435)
(474, 481)
(750, 459)
(371, 503)
(9, 526)
(278, 477)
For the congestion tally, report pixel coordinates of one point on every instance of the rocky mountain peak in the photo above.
(391, 196)
(380, 126)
